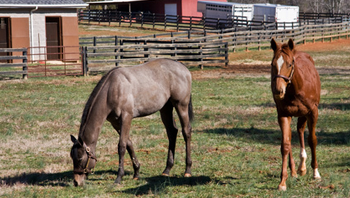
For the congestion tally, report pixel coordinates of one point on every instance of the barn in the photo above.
(169, 7)
(39, 24)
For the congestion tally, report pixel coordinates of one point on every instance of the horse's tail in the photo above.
(190, 109)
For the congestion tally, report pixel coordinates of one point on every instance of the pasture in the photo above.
(235, 138)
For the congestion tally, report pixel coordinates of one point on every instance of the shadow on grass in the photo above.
(335, 106)
(158, 183)
(45, 179)
(273, 137)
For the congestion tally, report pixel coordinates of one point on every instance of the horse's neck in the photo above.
(92, 125)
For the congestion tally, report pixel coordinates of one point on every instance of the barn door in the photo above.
(4, 36)
(53, 38)
(170, 9)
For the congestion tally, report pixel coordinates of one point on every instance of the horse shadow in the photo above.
(159, 183)
(274, 137)
(62, 179)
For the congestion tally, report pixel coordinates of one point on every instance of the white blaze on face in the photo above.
(280, 62)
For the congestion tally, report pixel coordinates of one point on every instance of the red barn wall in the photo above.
(184, 7)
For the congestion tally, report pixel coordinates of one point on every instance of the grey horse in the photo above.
(128, 92)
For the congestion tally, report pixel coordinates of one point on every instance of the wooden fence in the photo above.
(195, 48)
(100, 58)
(179, 23)
(13, 62)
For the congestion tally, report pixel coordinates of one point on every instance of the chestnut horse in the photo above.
(126, 93)
(296, 88)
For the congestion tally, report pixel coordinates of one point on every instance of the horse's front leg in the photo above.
(286, 149)
(123, 141)
(130, 149)
(135, 162)
(312, 139)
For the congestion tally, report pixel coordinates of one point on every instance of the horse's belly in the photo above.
(148, 106)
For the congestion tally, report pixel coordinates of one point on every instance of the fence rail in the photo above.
(14, 62)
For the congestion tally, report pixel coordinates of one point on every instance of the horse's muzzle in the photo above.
(79, 179)
(279, 94)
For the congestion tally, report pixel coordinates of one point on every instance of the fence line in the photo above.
(197, 49)
(178, 23)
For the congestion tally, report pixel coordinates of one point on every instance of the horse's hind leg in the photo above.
(168, 120)
(182, 111)
(130, 149)
(301, 128)
(312, 139)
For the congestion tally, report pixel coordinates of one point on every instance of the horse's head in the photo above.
(282, 67)
(83, 160)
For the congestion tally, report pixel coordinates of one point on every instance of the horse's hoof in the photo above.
(317, 174)
(165, 175)
(282, 188)
(187, 175)
(135, 178)
(302, 172)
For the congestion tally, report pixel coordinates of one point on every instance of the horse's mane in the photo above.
(91, 100)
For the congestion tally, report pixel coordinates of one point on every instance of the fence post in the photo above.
(165, 21)
(85, 61)
(115, 49)
(120, 18)
(142, 19)
(226, 54)
(94, 43)
(130, 19)
(99, 16)
(25, 67)
(190, 22)
(89, 15)
(109, 17)
(177, 22)
(204, 19)
(154, 20)
(201, 56)
(146, 55)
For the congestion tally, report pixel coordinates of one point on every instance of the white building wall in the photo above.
(37, 36)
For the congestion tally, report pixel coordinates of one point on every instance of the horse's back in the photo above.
(308, 81)
(145, 88)
(308, 71)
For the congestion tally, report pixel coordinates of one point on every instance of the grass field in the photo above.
(235, 139)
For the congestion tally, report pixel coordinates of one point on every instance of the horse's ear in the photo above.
(80, 141)
(291, 44)
(74, 140)
(273, 44)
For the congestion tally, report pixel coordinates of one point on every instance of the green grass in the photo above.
(235, 143)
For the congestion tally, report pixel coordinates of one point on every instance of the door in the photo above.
(170, 9)
(4, 36)
(53, 38)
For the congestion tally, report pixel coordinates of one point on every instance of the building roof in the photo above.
(42, 4)
(114, 1)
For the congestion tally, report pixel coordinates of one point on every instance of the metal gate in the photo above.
(40, 65)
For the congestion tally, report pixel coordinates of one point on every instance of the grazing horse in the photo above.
(126, 93)
(296, 88)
